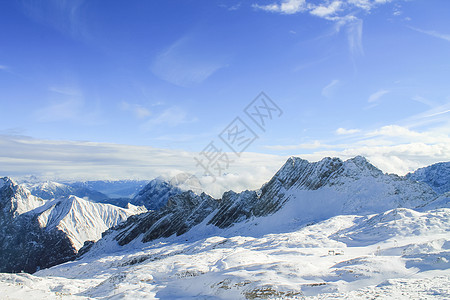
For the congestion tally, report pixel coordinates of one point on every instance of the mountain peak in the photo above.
(156, 194)
(16, 199)
(437, 176)
(6, 181)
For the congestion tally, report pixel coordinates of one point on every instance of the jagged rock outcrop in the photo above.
(437, 176)
(320, 190)
(15, 200)
(181, 213)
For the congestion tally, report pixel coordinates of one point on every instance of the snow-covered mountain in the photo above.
(52, 190)
(82, 220)
(155, 194)
(437, 176)
(15, 200)
(308, 192)
(37, 234)
(331, 229)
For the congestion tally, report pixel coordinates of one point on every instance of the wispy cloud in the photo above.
(442, 36)
(345, 13)
(309, 146)
(67, 104)
(231, 7)
(138, 110)
(181, 65)
(3, 67)
(310, 64)
(172, 116)
(60, 111)
(328, 90)
(377, 95)
(437, 115)
(354, 35)
(425, 101)
(343, 131)
(65, 90)
(62, 15)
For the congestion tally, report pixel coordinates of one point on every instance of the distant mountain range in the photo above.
(53, 190)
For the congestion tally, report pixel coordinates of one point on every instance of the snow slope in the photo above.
(326, 230)
(35, 233)
(398, 254)
(82, 220)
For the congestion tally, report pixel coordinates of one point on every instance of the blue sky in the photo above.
(352, 77)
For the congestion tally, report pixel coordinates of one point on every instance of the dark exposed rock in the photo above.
(184, 211)
(25, 246)
(181, 213)
(36, 234)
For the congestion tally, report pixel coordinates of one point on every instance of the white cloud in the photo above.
(326, 11)
(343, 131)
(377, 95)
(285, 7)
(328, 90)
(400, 134)
(393, 148)
(3, 67)
(398, 159)
(422, 140)
(68, 160)
(311, 145)
(344, 13)
(442, 36)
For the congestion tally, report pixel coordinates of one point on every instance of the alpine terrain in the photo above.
(331, 229)
(38, 233)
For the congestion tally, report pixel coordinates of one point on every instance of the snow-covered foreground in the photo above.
(399, 254)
